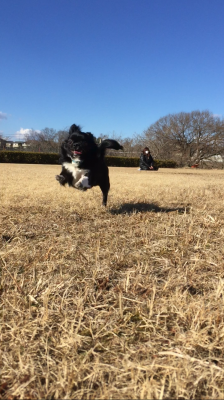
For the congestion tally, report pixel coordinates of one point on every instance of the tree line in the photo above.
(187, 138)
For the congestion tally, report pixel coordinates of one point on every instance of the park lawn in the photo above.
(125, 301)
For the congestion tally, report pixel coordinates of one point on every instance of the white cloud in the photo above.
(217, 115)
(2, 136)
(24, 132)
(3, 115)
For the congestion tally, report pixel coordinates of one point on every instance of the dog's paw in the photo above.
(79, 186)
(83, 183)
(60, 179)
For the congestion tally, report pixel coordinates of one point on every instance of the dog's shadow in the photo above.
(133, 208)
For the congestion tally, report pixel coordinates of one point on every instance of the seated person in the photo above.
(146, 161)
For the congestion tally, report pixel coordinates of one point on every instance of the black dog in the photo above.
(83, 164)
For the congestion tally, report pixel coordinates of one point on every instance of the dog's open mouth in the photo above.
(75, 152)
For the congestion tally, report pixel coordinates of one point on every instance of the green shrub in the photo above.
(122, 161)
(24, 157)
(134, 162)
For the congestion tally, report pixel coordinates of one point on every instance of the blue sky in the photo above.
(108, 65)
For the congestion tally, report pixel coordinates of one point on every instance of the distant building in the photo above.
(11, 145)
(2, 143)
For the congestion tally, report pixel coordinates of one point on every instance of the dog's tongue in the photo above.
(77, 152)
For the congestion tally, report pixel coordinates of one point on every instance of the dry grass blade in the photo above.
(124, 302)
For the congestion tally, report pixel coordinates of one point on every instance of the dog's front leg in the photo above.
(61, 179)
(83, 183)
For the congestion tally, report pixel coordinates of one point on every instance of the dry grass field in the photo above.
(125, 302)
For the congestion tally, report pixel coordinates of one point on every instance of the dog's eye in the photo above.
(70, 143)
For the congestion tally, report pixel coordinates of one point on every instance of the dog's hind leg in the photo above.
(105, 187)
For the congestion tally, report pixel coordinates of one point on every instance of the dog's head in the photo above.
(79, 145)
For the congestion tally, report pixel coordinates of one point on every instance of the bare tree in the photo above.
(188, 138)
(61, 136)
(46, 140)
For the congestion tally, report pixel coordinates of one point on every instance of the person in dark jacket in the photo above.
(146, 161)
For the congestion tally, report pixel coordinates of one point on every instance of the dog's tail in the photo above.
(109, 144)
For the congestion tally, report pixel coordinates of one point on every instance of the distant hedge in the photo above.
(24, 157)
(134, 162)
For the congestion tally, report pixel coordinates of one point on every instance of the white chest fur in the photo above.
(77, 173)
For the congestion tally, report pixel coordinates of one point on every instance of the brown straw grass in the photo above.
(123, 302)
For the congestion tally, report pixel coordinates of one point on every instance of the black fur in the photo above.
(82, 158)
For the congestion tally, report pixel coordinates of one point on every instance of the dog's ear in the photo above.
(74, 128)
(90, 136)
